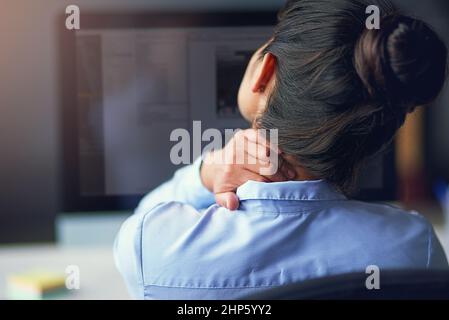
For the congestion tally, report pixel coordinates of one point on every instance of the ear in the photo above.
(264, 73)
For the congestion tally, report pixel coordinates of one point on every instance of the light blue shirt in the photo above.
(180, 245)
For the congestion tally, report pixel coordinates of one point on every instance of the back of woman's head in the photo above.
(342, 91)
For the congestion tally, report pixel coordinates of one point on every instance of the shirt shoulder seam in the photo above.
(429, 244)
(140, 251)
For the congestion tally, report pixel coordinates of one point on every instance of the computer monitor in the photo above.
(129, 80)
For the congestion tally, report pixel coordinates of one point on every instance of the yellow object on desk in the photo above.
(36, 285)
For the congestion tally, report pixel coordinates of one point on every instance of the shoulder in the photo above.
(389, 217)
(387, 220)
(164, 222)
(145, 239)
(404, 238)
(179, 246)
(156, 230)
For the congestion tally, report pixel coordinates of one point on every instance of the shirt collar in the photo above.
(292, 190)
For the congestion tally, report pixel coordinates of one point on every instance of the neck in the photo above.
(301, 173)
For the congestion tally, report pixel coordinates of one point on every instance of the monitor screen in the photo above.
(129, 81)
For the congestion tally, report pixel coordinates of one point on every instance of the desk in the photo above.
(99, 278)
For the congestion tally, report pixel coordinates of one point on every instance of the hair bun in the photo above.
(404, 62)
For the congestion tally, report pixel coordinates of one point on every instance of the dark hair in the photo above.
(342, 91)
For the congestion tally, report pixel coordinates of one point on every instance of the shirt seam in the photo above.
(141, 253)
(429, 237)
(292, 199)
(212, 287)
(142, 222)
(280, 213)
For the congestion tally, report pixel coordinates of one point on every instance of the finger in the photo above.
(231, 184)
(257, 152)
(278, 174)
(283, 171)
(262, 146)
(253, 173)
(253, 176)
(228, 200)
(255, 135)
(257, 167)
(260, 137)
(248, 142)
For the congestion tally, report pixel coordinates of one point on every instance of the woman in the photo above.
(337, 92)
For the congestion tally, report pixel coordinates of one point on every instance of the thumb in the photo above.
(229, 200)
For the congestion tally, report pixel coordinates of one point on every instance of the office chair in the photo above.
(394, 285)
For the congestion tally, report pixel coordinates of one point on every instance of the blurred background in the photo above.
(35, 230)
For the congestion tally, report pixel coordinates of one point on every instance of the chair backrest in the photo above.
(394, 285)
